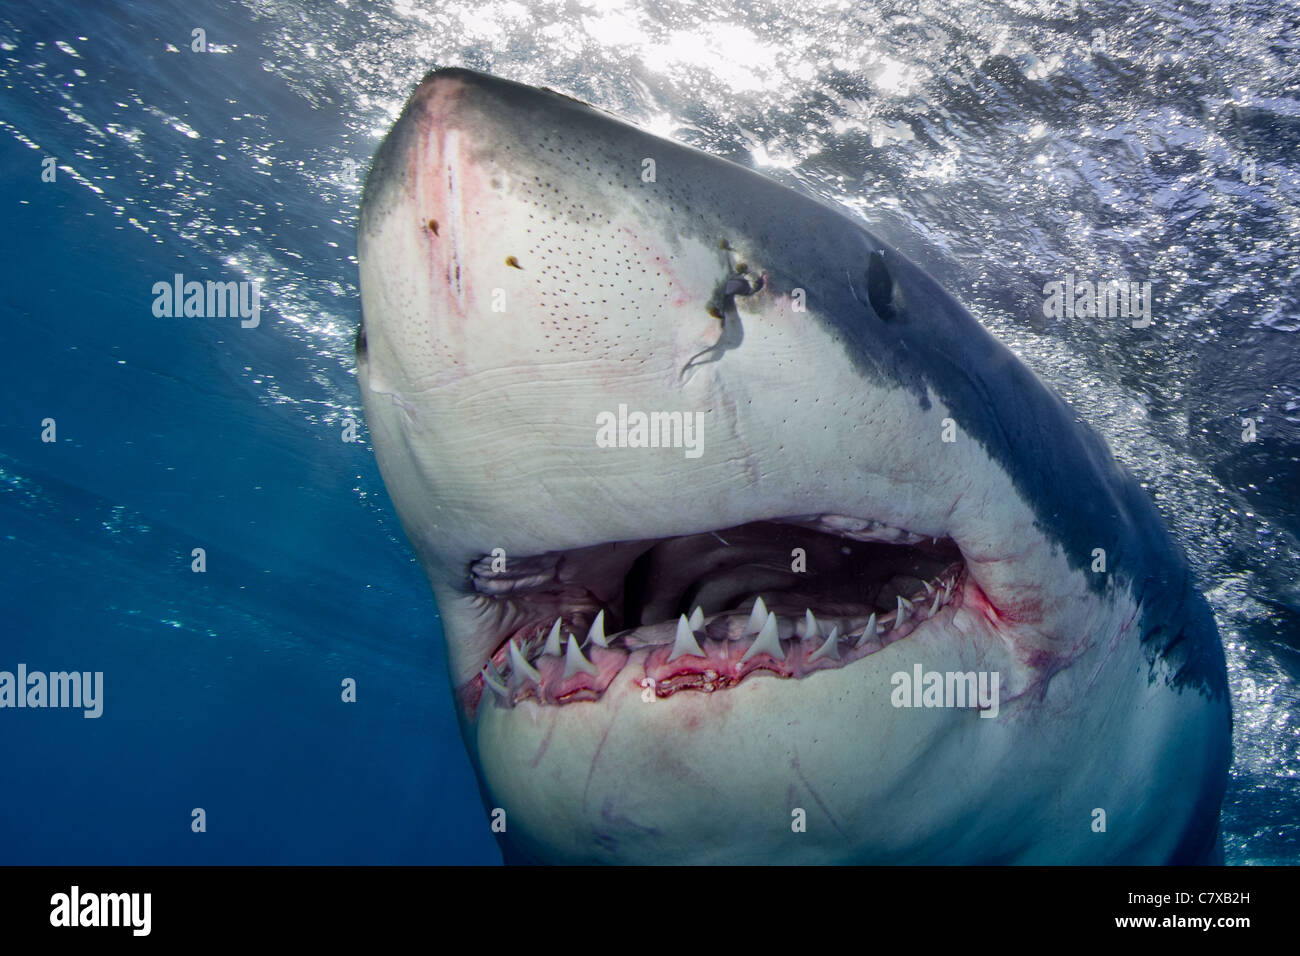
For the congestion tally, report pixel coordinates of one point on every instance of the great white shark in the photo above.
(901, 605)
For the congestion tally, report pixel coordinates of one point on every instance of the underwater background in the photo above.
(1001, 145)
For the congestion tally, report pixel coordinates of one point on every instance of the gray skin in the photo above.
(520, 276)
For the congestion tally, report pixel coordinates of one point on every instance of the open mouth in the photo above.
(785, 597)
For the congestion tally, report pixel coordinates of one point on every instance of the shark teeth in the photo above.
(520, 669)
(904, 605)
(553, 640)
(868, 632)
(596, 633)
(831, 648)
(810, 629)
(516, 671)
(767, 642)
(575, 662)
(685, 644)
(493, 680)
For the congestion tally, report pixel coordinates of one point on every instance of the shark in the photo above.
(749, 543)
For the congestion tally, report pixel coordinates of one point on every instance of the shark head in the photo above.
(749, 542)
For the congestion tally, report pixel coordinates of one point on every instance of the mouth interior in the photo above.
(784, 597)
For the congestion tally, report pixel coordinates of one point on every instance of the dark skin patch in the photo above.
(880, 286)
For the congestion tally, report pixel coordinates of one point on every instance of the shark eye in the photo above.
(880, 286)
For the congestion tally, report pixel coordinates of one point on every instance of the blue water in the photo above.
(996, 143)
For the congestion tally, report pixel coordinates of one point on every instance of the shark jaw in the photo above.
(837, 590)
(899, 493)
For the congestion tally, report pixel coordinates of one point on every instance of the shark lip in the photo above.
(702, 612)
